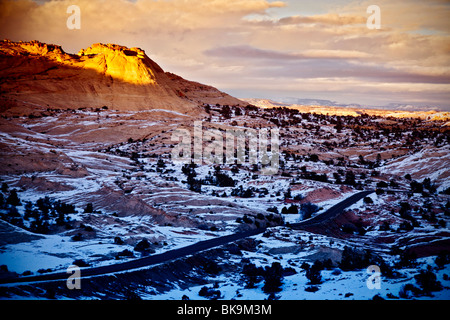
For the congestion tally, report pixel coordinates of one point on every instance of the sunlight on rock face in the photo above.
(101, 75)
(126, 64)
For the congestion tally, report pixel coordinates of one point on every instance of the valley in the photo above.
(125, 190)
(88, 178)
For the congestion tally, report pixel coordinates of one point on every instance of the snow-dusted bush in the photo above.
(427, 280)
(313, 273)
(273, 277)
(307, 209)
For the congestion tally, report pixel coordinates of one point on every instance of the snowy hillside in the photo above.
(98, 187)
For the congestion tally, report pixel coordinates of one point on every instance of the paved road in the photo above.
(188, 250)
(333, 212)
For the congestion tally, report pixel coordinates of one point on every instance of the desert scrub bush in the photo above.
(427, 280)
(313, 273)
(273, 277)
(353, 259)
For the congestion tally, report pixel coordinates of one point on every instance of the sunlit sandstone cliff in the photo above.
(35, 73)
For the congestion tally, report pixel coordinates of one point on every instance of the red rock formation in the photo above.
(102, 75)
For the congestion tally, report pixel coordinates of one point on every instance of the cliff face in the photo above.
(102, 75)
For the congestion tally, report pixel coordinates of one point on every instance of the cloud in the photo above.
(327, 19)
(322, 63)
(118, 19)
(248, 46)
(410, 15)
(249, 52)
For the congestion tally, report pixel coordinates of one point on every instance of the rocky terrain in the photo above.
(352, 111)
(35, 73)
(87, 178)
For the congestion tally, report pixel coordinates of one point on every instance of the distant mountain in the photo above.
(35, 73)
(329, 107)
(330, 103)
(285, 102)
(310, 102)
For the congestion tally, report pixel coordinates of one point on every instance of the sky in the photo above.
(280, 50)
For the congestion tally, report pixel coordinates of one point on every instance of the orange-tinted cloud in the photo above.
(239, 44)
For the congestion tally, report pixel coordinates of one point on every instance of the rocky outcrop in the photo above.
(121, 78)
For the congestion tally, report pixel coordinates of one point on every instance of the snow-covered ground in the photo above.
(336, 284)
(349, 285)
(112, 160)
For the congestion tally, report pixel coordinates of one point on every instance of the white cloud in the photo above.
(244, 44)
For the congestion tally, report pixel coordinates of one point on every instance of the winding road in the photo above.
(331, 213)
